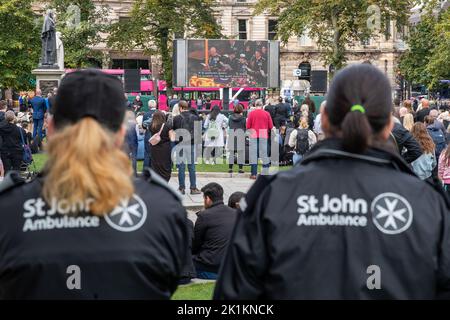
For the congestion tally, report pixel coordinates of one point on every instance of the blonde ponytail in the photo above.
(84, 163)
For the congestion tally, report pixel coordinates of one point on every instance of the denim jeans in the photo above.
(206, 275)
(37, 127)
(258, 149)
(182, 160)
(296, 158)
(133, 155)
(147, 154)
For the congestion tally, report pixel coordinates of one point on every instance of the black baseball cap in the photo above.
(90, 93)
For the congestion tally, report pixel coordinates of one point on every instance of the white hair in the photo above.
(151, 104)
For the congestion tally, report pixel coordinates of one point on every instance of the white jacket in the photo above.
(221, 124)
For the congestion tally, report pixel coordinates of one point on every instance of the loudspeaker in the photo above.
(132, 80)
(319, 80)
(226, 99)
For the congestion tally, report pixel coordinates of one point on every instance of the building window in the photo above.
(272, 29)
(305, 71)
(242, 29)
(387, 31)
(241, 0)
(401, 32)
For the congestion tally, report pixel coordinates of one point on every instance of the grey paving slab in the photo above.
(229, 184)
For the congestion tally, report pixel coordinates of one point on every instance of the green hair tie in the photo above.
(358, 107)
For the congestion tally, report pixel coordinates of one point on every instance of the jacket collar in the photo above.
(215, 204)
(332, 148)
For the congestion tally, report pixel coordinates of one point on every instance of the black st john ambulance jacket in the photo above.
(340, 226)
(136, 251)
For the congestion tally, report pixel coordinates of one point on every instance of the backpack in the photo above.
(27, 157)
(212, 133)
(302, 143)
(438, 139)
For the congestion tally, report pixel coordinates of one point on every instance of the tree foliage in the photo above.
(153, 24)
(334, 24)
(439, 64)
(20, 44)
(81, 23)
(426, 61)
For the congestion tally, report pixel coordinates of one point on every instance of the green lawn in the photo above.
(199, 291)
(39, 160)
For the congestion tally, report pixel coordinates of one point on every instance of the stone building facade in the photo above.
(382, 51)
(237, 20)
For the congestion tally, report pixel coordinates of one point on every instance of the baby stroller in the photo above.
(28, 170)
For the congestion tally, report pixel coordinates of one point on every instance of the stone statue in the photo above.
(59, 51)
(48, 37)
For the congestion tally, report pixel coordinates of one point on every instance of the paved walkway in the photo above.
(229, 185)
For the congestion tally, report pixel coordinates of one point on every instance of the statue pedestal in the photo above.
(47, 79)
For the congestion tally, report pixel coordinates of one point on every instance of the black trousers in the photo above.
(11, 161)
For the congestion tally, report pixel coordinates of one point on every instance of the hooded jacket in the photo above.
(236, 121)
(356, 218)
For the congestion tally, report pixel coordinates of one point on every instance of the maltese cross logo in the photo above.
(129, 215)
(392, 214)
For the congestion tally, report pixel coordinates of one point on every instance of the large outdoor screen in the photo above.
(226, 63)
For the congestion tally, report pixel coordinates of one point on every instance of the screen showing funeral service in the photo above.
(225, 63)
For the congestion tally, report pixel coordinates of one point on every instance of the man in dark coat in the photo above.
(211, 232)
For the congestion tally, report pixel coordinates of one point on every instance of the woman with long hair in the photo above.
(214, 126)
(424, 165)
(408, 121)
(85, 214)
(351, 207)
(236, 139)
(161, 157)
(295, 140)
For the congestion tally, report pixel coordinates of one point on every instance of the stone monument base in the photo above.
(47, 79)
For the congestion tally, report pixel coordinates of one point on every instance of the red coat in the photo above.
(261, 122)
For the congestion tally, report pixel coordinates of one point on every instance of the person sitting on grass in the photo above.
(211, 232)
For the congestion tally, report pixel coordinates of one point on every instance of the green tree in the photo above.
(81, 23)
(421, 40)
(438, 65)
(153, 24)
(426, 59)
(19, 44)
(334, 24)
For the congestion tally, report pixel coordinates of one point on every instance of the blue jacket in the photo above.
(424, 165)
(39, 107)
(131, 140)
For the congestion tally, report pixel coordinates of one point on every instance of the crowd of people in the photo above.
(23, 129)
(421, 133)
(367, 189)
(239, 137)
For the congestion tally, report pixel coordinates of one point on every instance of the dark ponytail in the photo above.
(356, 132)
(359, 106)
